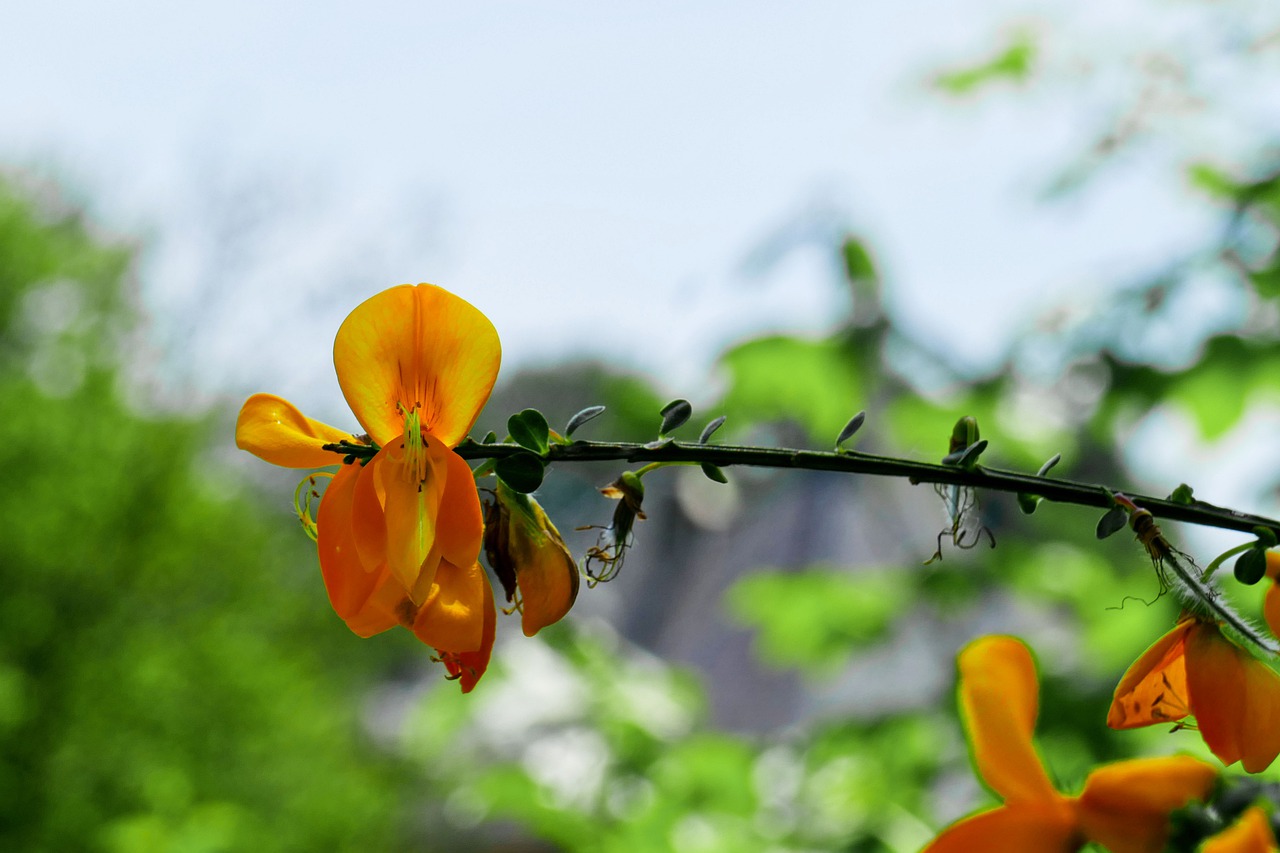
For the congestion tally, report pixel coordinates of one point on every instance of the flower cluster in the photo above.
(400, 526)
(1124, 806)
(1194, 670)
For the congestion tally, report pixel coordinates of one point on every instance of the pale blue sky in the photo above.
(591, 175)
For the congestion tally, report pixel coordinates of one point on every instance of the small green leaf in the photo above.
(709, 430)
(714, 473)
(1251, 566)
(1115, 519)
(529, 430)
(674, 414)
(1028, 503)
(854, 424)
(966, 458)
(1184, 495)
(1266, 537)
(522, 472)
(1048, 466)
(587, 414)
(490, 437)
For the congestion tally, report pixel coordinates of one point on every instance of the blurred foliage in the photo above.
(1013, 63)
(171, 678)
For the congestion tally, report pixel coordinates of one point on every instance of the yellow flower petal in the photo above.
(1125, 806)
(1261, 735)
(1271, 605)
(1154, 689)
(412, 510)
(1216, 686)
(368, 521)
(416, 347)
(349, 585)
(1046, 827)
(998, 695)
(460, 526)
(1250, 834)
(467, 667)
(452, 617)
(273, 429)
(527, 554)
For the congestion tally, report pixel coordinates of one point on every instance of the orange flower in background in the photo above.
(1194, 670)
(1271, 603)
(1250, 834)
(399, 534)
(1124, 806)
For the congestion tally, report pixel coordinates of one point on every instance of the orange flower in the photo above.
(399, 534)
(1250, 834)
(530, 558)
(1124, 807)
(1271, 604)
(1195, 670)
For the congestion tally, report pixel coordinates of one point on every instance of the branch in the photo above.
(848, 462)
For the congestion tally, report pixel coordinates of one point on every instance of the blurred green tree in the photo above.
(171, 677)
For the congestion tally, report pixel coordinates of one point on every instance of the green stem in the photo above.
(992, 479)
(1222, 558)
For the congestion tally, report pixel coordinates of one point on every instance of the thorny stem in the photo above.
(993, 479)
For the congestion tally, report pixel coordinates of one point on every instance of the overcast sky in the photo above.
(592, 176)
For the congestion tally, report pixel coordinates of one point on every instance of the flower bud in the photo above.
(532, 563)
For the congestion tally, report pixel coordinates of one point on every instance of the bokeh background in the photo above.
(1062, 221)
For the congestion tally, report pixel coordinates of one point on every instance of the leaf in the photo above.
(529, 430)
(1115, 519)
(587, 414)
(1048, 465)
(714, 473)
(710, 429)
(1013, 63)
(674, 414)
(522, 471)
(854, 424)
(1251, 566)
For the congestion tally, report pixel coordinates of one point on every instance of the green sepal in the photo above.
(522, 472)
(529, 430)
(714, 473)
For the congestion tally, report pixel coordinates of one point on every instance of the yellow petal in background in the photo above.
(1125, 806)
(1260, 738)
(1271, 606)
(1250, 834)
(1046, 827)
(999, 699)
(1217, 687)
(273, 429)
(416, 347)
(1154, 689)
